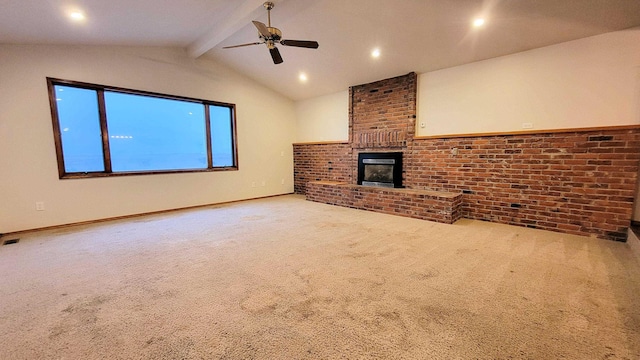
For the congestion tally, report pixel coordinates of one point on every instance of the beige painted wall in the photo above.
(28, 169)
(323, 118)
(583, 83)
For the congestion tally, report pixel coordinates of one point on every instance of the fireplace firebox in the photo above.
(382, 169)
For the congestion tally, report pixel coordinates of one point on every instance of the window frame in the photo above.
(100, 89)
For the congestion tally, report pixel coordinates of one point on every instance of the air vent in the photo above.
(10, 241)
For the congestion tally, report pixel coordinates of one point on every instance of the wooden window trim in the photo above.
(108, 172)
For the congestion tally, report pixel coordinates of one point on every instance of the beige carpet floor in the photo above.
(284, 278)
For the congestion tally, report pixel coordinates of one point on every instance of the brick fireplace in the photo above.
(382, 118)
(381, 129)
(577, 181)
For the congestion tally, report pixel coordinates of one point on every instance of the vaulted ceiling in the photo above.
(411, 35)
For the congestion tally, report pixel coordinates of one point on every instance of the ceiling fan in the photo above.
(270, 36)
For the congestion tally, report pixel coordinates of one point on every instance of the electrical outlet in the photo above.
(263, 183)
(39, 206)
(282, 181)
(527, 125)
(253, 184)
(281, 153)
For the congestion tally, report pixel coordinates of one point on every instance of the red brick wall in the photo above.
(314, 162)
(382, 114)
(580, 182)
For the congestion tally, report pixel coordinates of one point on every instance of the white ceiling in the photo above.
(413, 35)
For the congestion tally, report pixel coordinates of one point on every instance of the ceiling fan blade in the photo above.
(275, 55)
(300, 43)
(241, 45)
(262, 29)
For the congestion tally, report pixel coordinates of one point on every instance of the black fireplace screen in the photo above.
(380, 169)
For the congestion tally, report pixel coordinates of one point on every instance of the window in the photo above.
(103, 131)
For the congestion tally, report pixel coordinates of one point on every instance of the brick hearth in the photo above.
(440, 206)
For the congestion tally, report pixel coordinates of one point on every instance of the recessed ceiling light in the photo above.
(77, 16)
(375, 53)
(478, 22)
(302, 77)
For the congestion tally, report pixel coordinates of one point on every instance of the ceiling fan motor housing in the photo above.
(275, 37)
(276, 34)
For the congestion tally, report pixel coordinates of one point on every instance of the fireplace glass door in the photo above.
(380, 169)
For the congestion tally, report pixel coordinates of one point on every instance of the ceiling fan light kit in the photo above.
(271, 36)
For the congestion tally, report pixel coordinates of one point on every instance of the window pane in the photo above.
(79, 129)
(148, 133)
(221, 135)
